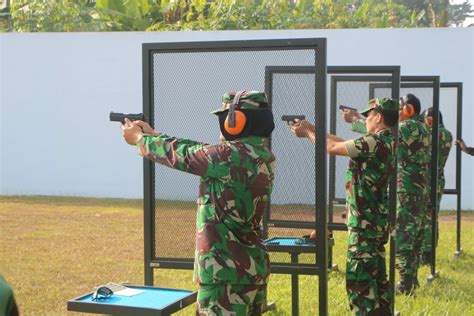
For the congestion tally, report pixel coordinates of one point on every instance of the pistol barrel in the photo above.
(120, 117)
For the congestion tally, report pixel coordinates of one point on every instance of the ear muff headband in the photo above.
(408, 110)
(235, 122)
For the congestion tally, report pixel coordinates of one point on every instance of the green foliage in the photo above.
(178, 15)
(54, 16)
(457, 13)
(439, 13)
(128, 15)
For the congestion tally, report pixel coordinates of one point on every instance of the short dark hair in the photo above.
(390, 118)
(413, 100)
(429, 113)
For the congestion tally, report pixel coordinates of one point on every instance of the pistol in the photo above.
(343, 107)
(292, 118)
(120, 117)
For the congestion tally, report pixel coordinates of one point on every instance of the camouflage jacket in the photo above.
(370, 168)
(445, 144)
(358, 126)
(413, 156)
(234, 191)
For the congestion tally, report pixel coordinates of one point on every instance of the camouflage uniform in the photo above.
(413, 161)
(231, 262)
(370, 168)
(8, 304)
(445, 144)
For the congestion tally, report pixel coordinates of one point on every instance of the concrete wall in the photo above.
(57, 89)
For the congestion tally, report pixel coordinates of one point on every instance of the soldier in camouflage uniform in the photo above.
(445, 144)
(231, 262)
(371, 166)
(413, 156)
(412, 180)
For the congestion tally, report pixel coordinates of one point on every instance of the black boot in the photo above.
(405, 286)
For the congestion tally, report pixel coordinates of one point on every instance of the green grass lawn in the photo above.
(54, 249)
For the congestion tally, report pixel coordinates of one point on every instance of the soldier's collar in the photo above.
(418, 117)
(386, 130)
(253, 140)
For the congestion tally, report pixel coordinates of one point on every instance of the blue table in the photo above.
(293, 245)
(290, 241)
(154, 301)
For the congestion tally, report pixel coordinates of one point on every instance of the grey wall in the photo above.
(57, 90)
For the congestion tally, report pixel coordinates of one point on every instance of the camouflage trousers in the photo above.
(238, 300)
(411, 216)
(428, 230)
(366, 277)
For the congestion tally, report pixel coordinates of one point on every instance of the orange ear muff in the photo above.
(240, 120)
(408, 110)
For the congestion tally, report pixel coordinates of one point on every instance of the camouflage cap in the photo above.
(249, 100)
(381, 104)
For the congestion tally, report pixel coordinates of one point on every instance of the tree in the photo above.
(128, 15)
(439, 12)
(459, 12)
(177, 15)
(54, 16)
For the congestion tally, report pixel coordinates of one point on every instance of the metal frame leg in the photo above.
(294, 288)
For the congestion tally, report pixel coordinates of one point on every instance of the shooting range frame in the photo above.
(457, 190)
(459, 104)
(390, 74)
(434, 83)
(315, 45)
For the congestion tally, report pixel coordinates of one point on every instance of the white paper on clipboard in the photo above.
(122, 290)
(128, 292)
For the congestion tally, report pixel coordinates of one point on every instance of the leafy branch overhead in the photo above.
(179, 15)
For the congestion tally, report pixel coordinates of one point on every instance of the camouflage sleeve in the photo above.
(186, 155)
(470, 150)
(404, 139)
(361, 147)
(358, 126)
(446, 142)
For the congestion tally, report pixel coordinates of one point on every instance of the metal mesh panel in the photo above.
(293, 195)
(187, 86)
(448, 106)
(425, 94)
(353, 94)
